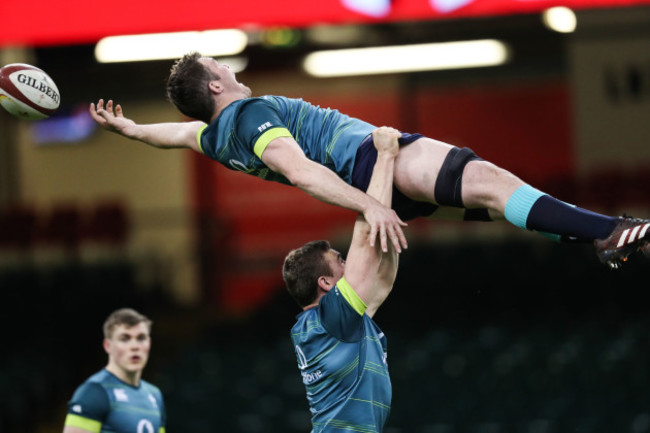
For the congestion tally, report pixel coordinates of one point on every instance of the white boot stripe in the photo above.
(621, 240)
(644, 230)
(632, 237)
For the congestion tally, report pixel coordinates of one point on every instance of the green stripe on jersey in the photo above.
(83, 423)
(267, 137)
(198, 137)
(351, 296)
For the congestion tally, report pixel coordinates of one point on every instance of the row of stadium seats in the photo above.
(483, 337)
(588, 378)
(24, 227)
(611, 189)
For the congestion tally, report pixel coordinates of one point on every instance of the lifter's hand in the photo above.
(113, 121)
(384, 221)
(385, 140)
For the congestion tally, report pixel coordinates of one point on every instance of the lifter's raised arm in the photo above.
(369, 271)
(168, 135)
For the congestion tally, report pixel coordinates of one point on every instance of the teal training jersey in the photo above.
(342, 358)
(239, 135)
(105, 404)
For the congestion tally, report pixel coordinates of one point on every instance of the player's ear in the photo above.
(215, 86)
(325, 283)
(107, 345)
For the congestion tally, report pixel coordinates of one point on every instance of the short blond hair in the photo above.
(124, 316)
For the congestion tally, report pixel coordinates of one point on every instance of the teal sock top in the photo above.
(519, 205)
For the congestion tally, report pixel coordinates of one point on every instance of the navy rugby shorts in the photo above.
(406, 208)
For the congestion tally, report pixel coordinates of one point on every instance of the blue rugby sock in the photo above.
(532, 209)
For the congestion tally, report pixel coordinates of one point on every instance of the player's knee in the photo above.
(487, 185)
(448, 190)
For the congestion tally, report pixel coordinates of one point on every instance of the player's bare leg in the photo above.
(487, 186)
(417, 167)
(467, 182)
(484, 185)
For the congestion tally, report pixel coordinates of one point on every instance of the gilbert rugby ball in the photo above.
(28, 92)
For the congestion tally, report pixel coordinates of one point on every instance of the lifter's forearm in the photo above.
(381, 182)
(365, 264)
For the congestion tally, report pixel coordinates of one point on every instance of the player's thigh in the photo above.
(417, 166)
(485, 185)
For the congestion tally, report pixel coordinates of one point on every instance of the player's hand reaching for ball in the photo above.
(111, 118)
(167, 135)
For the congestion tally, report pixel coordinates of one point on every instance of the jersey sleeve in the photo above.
(88, 407)
(258, 124)
(342, 312)
(199, 133)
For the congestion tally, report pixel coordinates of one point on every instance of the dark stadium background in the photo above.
(490, 329)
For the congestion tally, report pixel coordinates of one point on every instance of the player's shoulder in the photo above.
(307, 315)
(306, 320)
(149, 387)
(92, 390)
(341, 314)
(273, 101)
(259, 102)
(349, 296)
(99, 377)
(249, 108)
(255, 115)
(96, 382)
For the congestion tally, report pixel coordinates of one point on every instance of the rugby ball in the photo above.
(28, 92)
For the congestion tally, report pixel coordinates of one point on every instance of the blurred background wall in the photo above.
(490, 329)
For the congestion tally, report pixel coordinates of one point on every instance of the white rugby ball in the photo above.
(28, 92)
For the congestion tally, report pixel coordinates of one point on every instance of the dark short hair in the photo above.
(302, 268)
(187, 87)
(124, 316)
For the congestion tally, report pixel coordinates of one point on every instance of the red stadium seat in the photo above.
(108, 224)
(17, 227)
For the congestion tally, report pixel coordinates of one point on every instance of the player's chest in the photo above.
(132, 413)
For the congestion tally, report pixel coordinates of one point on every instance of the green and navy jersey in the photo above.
(106, 404)
(342, 358)
(238, 136)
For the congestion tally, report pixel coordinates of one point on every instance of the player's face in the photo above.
(227, 76)
(337, 264)
(128, 347)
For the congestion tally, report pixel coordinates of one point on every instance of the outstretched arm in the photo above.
(162, 135)
(283, 155)
(369, 271)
